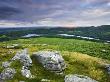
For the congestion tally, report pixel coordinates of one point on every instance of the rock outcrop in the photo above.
(52, 61)
(23, 57)
(78, 78)
(26, 61)
(7, 73)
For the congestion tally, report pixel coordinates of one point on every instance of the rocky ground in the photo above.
(50, 60)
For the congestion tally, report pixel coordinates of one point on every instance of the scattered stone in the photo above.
(24, 57)
(108, 68)
(44, 44)
(6, 64)
(10, 52)
(21, 81)
(78, 78)
(45, 80)
(51, 60)
(25, 72)
(13, 46)
(103, 50)
(7, 73)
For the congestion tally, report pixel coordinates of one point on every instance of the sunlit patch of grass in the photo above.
(78, 63)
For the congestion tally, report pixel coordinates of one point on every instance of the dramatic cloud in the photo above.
(55, 12)
(7, 12)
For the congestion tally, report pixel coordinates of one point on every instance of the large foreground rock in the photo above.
(78, 78)
(51, 60)
(7, 73)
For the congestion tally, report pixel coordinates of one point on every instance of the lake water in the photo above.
(68, 35)
(30, 35)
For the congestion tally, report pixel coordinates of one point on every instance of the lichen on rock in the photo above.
(78, 78)
(7, 73)
(52, 61)
(6, 64)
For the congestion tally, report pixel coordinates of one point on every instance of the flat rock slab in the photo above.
(51, 60)
(78, 78)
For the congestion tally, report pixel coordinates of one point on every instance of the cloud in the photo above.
(52, 22)
(7, 12)
(16, 24)
(55, 12)
(108, 4)
(96, 13)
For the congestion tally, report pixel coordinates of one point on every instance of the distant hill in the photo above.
(99, 32)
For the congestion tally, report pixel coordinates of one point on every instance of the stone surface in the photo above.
(108, 68)
(51, 60)
(45, 80)
(78, 78)
(26, 61)
(21, 81)
(25, 72)
(24, 57)
(6, 64)
(7, 73)
(13, 46)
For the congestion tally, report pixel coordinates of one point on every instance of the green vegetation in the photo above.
(100, 50)
(78, 55)
(99, 32)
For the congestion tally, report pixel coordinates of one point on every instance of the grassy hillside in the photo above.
(96, 49)
(78, 55)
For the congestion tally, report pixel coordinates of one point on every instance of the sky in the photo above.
(68, 13)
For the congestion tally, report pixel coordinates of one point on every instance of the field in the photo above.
(82, 57)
